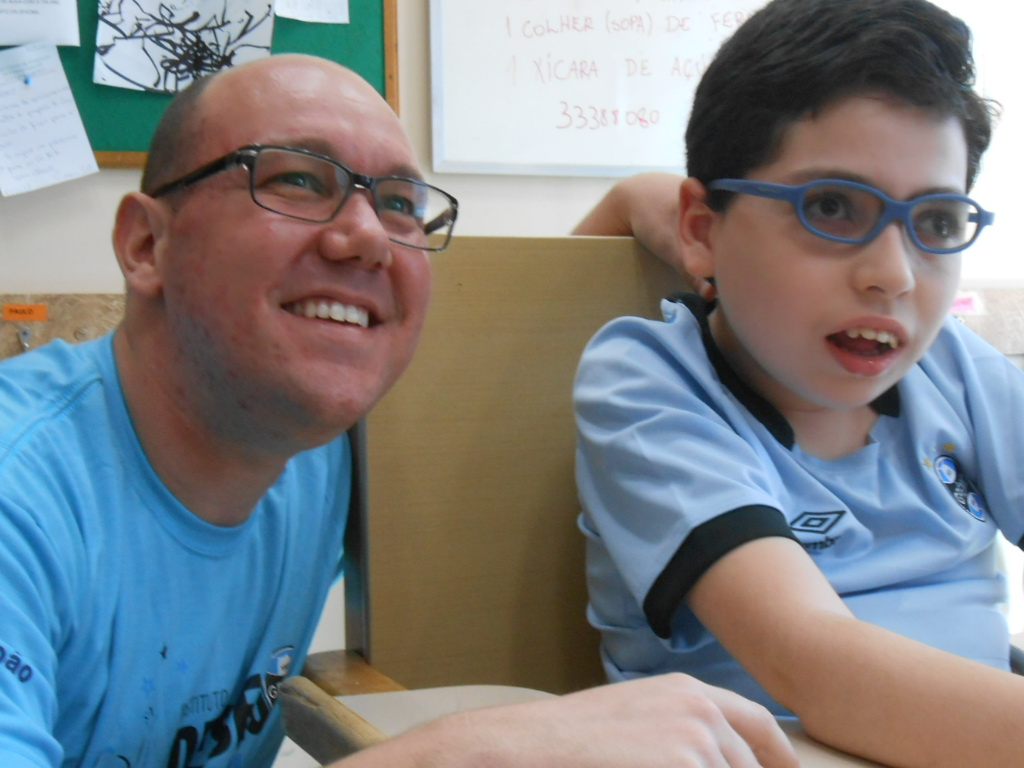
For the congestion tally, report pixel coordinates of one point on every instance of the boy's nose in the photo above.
(886, 264)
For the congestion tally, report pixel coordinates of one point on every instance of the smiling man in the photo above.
(797, 490)
(173, 496)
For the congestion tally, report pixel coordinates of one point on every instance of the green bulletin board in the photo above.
(120, 121)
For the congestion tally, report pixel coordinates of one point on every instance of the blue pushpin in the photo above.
(28, 79)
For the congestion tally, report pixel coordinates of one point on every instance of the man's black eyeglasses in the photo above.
(314, 187)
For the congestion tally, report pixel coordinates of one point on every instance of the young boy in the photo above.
(795, 491)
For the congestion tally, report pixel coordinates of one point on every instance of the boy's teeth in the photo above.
(882, 337)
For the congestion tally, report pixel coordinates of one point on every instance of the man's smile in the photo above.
(327, 309)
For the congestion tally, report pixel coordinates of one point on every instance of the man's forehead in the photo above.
(276, 85)
(396, 158)
(310, 104)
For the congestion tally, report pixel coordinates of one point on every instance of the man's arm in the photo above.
(854, 685)
(669, 721)
(645, 206)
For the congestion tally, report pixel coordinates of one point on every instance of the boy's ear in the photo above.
(695, 225)
(139, 228)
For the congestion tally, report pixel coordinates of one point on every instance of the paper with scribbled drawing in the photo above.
(149, 45)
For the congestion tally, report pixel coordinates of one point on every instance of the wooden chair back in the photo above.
(474, 572)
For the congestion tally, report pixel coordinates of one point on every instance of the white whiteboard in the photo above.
(570, 87)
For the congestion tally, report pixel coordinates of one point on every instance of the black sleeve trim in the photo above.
(702, 549)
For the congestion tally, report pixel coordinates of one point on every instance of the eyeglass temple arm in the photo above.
(242, 157)
(437, 222)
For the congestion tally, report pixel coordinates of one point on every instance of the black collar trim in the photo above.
(886, 404)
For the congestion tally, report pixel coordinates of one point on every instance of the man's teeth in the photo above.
(332, 310)
(882, 337)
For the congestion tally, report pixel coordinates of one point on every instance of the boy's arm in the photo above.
(669, 721)
(645, 206)
(854, 685)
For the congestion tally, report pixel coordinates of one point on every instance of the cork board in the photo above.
(72, 317)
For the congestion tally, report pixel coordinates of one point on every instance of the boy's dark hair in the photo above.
(794, 57)
(169, 157)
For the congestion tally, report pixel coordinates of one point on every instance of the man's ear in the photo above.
(695, 225)
(139, 230)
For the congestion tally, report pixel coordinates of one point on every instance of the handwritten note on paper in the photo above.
(324, 11)
(566, 87)
(50, 21)
(42, 140)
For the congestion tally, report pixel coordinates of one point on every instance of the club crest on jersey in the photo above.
(960, 487)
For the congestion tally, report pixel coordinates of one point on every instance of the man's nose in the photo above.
(356, 233)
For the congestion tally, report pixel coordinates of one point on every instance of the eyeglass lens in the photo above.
(937, 222)
(308, 187)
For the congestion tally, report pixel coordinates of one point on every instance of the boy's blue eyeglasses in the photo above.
(849, 212)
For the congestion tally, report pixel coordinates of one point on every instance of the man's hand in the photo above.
(668, 721)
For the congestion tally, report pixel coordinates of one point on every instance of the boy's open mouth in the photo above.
(865, 341)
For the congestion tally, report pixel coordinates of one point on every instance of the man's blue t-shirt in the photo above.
(679, 462)
(132, 633)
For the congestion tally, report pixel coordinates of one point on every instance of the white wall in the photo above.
(57, 240)
(996, 259)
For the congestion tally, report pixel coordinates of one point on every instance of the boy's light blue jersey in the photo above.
(679, 462)
(132, 633)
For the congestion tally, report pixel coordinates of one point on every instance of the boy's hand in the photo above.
(646, 206)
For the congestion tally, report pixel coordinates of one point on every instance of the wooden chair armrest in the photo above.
(343, 673)
(322, 725)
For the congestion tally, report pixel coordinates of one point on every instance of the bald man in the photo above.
(173, 496)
